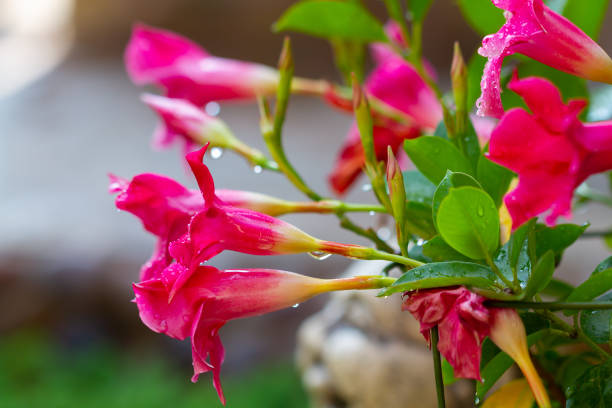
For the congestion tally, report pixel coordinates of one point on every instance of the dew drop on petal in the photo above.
(216, 153)
(319, 255)
(212, 108)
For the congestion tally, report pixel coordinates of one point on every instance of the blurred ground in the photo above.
(67, 258)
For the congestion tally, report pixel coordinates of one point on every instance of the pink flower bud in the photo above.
(180, 118)
(185, 70)
(534, 30)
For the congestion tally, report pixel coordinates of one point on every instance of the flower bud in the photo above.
(508, 333)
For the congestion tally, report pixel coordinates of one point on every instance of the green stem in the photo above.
(369, 233)
(433, 335)
(385, 256)
(576, 333)
(552, 305)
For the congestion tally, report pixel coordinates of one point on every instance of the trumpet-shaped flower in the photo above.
(550, 149)
(534, 30)
(211, 297)
(186, 71)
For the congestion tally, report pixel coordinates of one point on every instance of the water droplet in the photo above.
(296, 306)
(216, 152)
(257, 169)
(384, 233)
(420, 242)
(372, 213)
(366, 187)
(480, 211)
(212, 108)
(319, 255)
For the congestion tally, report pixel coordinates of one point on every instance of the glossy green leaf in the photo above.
(523, 264)
(597, 284)
(470, 144)
(494, 179)
(439, 251)
(450, 180)
(419, 220)
(433, 156)
(448, 374)
(557, 238)
(332, 19)
(467, 220)
(588, 15)
(597, 323)
(418, 187)
(443, 274)
(418, 8)
(541, 275)
(482, 15)
(558, 289)
(517, 240)
(593, 389)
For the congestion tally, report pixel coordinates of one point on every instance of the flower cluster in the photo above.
(467, 242)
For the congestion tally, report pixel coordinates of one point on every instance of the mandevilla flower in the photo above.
(550, 149)
(534, 30)
(187, 71)
(211, 297)
(180, 118)
(463, 323)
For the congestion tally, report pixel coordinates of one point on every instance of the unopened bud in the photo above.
(459, 80)
(508, 333)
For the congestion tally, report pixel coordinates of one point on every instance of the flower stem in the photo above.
(552, 305)
(575, 333)
(433, 335)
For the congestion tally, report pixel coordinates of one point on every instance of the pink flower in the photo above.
(550, 149)
(211, 297)
(186, 71)
(534, 30)
(462, 320)
(398, 84)
(165, 208)
(463, 323)
(181, 119)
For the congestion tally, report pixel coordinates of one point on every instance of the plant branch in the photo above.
(433, 335)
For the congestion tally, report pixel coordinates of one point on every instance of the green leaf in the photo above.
(558, 289)
(556, 239)
(443, 274)
(418, 8)
(418, 187)
(471, 144)
(588, 15)
(494, 178)
(448, 374)
(450, 180)
(419, 220)
(523, 264)
(541, 275)
(493, 369)
(596, 323)
(593, 389)
(572, 368)
(433, 156)
(441, 131)
(439, 251)
(597, 284)
(515, 245)
(482, 15)
(467, 220)
(600, 104)
(332, 19)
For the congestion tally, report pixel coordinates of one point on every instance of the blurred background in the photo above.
(69, 335)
